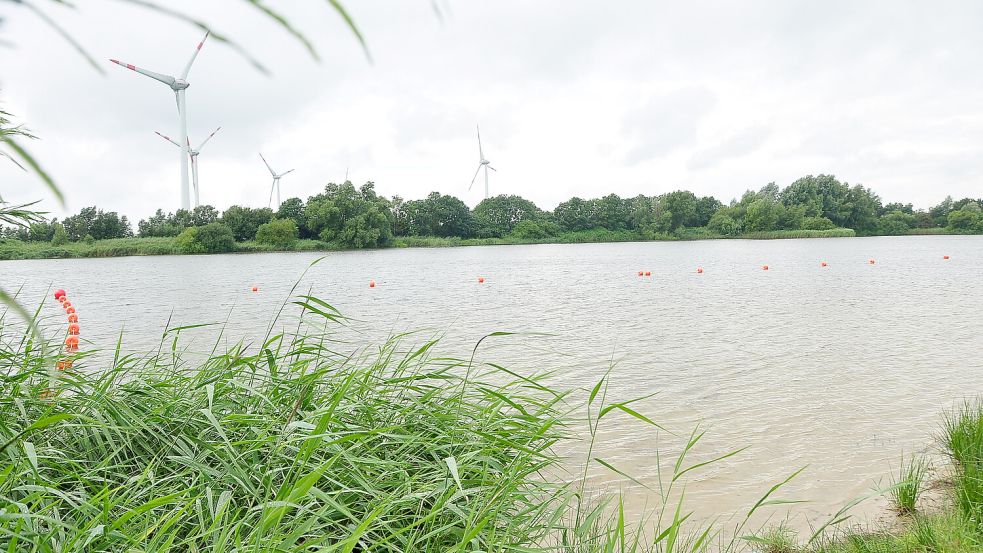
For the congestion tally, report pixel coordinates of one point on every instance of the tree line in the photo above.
(357, 217)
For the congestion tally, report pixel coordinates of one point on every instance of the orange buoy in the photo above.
(72, 342)
(699, 270)
(823, 264)
(641, 273)
(59, 293)
(63, 299)
(871, 261)
(945, 257)
(70, 310)
(63, 364)
(255, 288)
(73, 328)
(73, 318)
(648, 273)
(481, 280)
(371, 284)
(66, 304)
(764, 267)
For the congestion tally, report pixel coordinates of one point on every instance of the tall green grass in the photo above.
(303, 443)
(909, 483)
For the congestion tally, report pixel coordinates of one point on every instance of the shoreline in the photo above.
(15, 250)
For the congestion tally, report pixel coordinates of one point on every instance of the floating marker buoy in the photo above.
(72, 342)
(59, 293)
(63, 364)
(66, 304)
(63, 299)
(481, 280)
(73, 328)
(945, 257)
(371, 284)
(648, 273)
(764, 267)
(73, 318)
(641, 273)
(255, 288)
(70, 310)
(871, 261)
(823, 264)
(699, 270)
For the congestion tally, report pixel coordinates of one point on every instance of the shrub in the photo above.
(88, 240)
(281, 233)
(817, 223)
(188, 242)
(528, 229)
(211, 238)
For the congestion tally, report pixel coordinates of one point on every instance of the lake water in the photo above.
(841, 369)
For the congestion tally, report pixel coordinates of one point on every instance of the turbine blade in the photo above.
(272, 172)
(492, 168)
(481, 154)
(167, 138)
(270, 202)
(290, 171)
(478, 170)
(202, 145)
(166, 79)
(187, 68)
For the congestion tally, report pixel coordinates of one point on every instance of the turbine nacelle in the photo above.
(180, 84)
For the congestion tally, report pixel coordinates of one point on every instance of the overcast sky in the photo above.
(574, 98)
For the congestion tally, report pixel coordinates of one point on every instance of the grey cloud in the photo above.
(666, 122)
(739, 144)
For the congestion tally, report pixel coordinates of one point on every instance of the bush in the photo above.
(534, 230)
(211, 238)
(281, 233)
(817, 223)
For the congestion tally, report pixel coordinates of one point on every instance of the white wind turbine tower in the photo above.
(276, 181)
(178, 85)
(482, 163)
(193, 154)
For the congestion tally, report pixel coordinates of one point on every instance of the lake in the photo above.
(840, 368)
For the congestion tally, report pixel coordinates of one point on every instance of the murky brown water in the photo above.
(840, 369)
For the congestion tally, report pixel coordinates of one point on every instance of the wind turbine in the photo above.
(193, 154)
(482, 163)
(178, 85)
(276, 181)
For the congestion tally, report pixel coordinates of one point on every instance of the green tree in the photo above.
(281, 233)
(203, 215)
(497, 216)
(861, 206)
(761, 215)
(439, 215)
(682, 206)
(574, 215)
(895, 223)
(245, 221)
(354, 218)
(964, 220)
(293, 208)
(59, 237)
(724, 222)
(612, 213)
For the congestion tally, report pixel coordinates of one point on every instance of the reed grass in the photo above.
(909, 483)
(300, 443)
